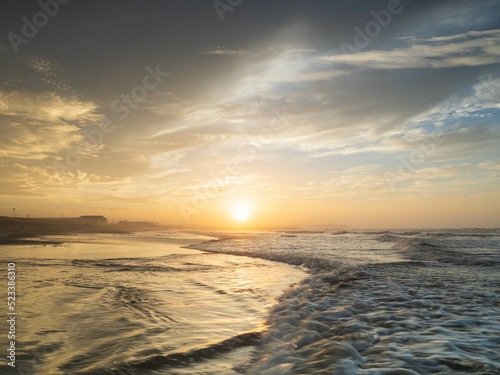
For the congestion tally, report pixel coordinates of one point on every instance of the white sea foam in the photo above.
(380, 303)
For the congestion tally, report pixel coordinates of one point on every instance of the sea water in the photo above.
(364, 302)
(392, 303)
(136, 304)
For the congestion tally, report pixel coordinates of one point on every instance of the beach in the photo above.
(259, 303)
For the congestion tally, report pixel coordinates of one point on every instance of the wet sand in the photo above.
(24, 231)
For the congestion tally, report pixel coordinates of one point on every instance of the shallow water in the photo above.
(139, 304)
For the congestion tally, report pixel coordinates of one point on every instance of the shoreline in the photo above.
(20, 241)
(88, 245)
(24, 231)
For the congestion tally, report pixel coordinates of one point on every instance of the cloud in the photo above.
(459, 143)
(490, 165)
(425, 180)
(123, 200)
(36, 125)
(48, 72)
(35, 141)
(25, 179)
(338, 113)
(312, 76)
(223, 51)
(473, 48)
(46, 106)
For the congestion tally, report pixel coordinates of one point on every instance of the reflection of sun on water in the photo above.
(241, 210)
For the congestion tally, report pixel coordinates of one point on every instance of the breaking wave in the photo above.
(380, 303)
(417, 249)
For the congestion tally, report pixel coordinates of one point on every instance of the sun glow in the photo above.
(241, 210)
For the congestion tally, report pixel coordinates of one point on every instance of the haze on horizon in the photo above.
(290, 113)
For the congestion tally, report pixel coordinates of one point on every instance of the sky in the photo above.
(254, 113)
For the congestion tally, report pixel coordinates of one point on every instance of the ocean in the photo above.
(300, 302)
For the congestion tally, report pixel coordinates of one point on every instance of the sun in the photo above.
(241, 210)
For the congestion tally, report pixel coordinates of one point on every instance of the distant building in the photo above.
(94, 219)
